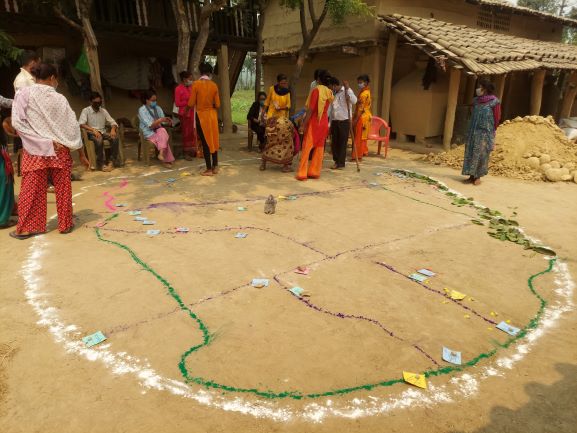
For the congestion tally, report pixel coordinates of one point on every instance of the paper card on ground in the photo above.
(134, 212)
(240, 235)
(140, 218)
(451, 356)
(418, 277)
(171, 180)
(259, 282)
(426, 272)
(184, 174)
(291, 197)
(100, 224)
(148, 222)
(121, 205)
(505, 327)
(281, 197)
(373, 184)
(94, 339)
(241, 209)
(415, 379)
(182, 230)
(458, 296)
(297, 291)
(302, 270)
(152, 232)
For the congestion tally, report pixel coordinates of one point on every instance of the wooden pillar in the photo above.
(470, 89)
(224, 81)
(500, 86)
(454, 81)
(569, 96)
(388, 78)
(537, 91)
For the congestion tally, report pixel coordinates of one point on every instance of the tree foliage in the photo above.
(548, 6)
(8, 52)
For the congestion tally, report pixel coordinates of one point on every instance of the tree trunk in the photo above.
(259, 48)
(91, 46)
(308, 38)
(199, 45)
(183, 29)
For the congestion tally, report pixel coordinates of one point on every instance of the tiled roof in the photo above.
(481, 51)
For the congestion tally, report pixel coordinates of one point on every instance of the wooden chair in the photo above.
(146, 147)
(91, 150)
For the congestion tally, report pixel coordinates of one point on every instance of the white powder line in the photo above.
(460, 386)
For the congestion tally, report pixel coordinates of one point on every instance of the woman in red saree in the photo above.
(316, 127)
(186, 116)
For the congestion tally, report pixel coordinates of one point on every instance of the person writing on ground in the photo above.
(7, 202)
(152, 124)
(340, 118)
(481, 135)
(316, 128)
(49, 131)
(187, 122)
(205, 99)
(279, 130)
(95, 119)
(362, 118)
(255, 119)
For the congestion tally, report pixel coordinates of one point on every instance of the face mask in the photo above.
(153, 104)
(261, 103)
(96, 106)
(188, 83)
(362, 85)
(479, 91)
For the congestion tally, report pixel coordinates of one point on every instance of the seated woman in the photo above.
(279, 129)
(255, 119)
(152, 122)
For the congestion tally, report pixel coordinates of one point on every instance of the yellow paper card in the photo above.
(281, 197)
(415, 379)
(457, 295)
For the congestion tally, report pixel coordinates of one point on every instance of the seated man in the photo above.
(94, 119)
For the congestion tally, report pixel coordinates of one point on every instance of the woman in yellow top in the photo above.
(362, 118)
(279, 147)
(278, 100)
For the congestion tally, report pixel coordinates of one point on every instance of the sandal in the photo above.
(263, 167)
(22, 236)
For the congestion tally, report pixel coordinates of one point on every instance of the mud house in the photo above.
(424, 57)
(137, 43)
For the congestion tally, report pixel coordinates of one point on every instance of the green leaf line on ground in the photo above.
(207, 338)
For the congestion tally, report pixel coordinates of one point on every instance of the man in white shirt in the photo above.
(94, 119)
(28, 61)
(339, 115)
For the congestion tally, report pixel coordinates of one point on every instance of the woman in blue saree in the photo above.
(481, 136)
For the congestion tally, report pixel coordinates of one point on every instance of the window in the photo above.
(491, 19)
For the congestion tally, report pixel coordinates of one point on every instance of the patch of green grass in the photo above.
(241, 101)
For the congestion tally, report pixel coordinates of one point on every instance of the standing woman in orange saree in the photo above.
(362, 118)
(316, 128)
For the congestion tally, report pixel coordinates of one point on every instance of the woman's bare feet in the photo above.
(168, 164)
(215, 170)
(160, 156)
(470, 179)
(477, 181)
(207, 173)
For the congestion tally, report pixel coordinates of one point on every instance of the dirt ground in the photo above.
(177, 305)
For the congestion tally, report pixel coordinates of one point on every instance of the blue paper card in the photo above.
(505, 327)
(418, 277)
(171, 180)
(297, 291)
(148, 222)
(140, 218)
(451, 356)
(259, 282)
(291, 197)
(134, 212)
(426, 272)
(240, 235)
(152, 232)
(94, 339)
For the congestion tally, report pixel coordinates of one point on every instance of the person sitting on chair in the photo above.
(94, 119)
(256, 121)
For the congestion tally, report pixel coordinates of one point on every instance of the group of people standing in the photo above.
(331, 106)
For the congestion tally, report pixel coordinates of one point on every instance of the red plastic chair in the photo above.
(375, 133)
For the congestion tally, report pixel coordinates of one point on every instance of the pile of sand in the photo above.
(530, 148)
